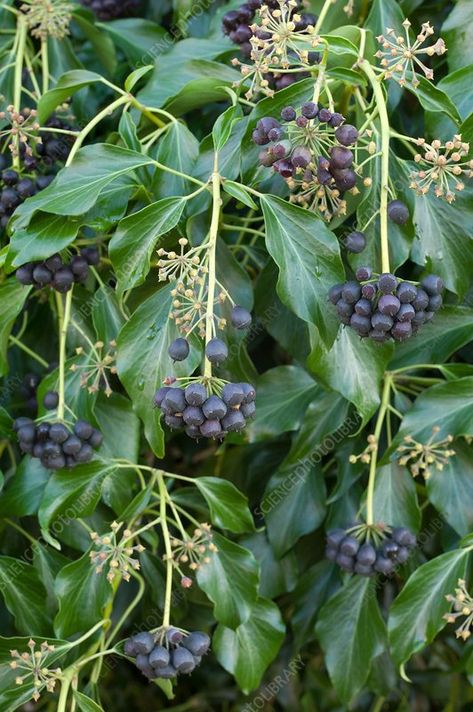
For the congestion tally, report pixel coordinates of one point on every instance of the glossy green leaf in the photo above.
(12, 298)
(134, 241)
(308, 257)
(223, 127)
(70, 83)
(416, 615)
(24, 596)
(24, 490)
(230, 580)
(458, 34)
(178, 149)
(313, 589)
(228, 506)
(395, 498)
(451, 489)
(351, 632)
(247, 651)
(85, 704)
(238, 191)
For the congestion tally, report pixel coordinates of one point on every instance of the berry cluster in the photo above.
(311, 152)
(168, 653)
(53, 442)
(112, 9)
(203, 414)
(54, 273)
(384, 307)
(38, 151)
(356, 554)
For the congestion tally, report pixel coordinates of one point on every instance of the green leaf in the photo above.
(308, 257)
(283, 394)
(351, 632)
(77, 187)
(343, 368)
(120, 427)
(228, 506)
(135, 239)
(136, 75)
(395, 497)
(247, 651)
(102, 45)
(143, 369)
(451, 490)
(141, 40)
(457, 31)
(82, 595)
(67, 86)
(44, 236)
(12, 298)
(416, 615)
(22, 495)
(277, 576)
(314, 587)
(73, 493)
(85, 704)
(434, 99)
(238, 191)
(24, 596)
(447, 333)
(230, 580)
(178, 149)
(222, 128)
(443, 239)
(447, 405)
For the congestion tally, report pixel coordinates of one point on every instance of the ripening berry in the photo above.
(216, 351)
(355, 242)
(179, 349)
(240, 317)
(346, 135)
(398, 212)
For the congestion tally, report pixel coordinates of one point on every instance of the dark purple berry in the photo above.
(216, 351)
(355, 242)
(346, 135)
(240, 317)
(389, 304)
(179, 349)
(398, 212)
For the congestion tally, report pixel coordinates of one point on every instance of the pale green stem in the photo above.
(30, 352)
(96, 120)
(163, 495)
(45, 63)
(212, 250)
(64, 313)
(374, 454)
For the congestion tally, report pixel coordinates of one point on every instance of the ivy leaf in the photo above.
(224, 125)
(178, 149)
(85, 704)
(23, 492)
(24, 596)
(70, 83)
(351, 632)
(230, 580)
(239, 192)
(434, 99)
(44, 235)
(416, 615)
(247, 651)
(448, 332)
(76, 188)
(447, 405)
(458, 33)
(228, 506)
(451, 490)
(283, 394)
(12, 298)
(277, 575)
(82, 595)
(395, 497)
(135, 239)
(142, 370)
(344, 368)
(308, 257)
(314, 587)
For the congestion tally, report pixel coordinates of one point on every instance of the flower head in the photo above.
(462, 606)
(400, 57)
(421, 458)
(48, 17)
(22, 130)
(193, 550)
(442, 166)
(99, 365)
(115, 553)
(30, 668)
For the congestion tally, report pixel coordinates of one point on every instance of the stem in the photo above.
(213, 234)
(366, 67)
(163, 495)
(45, 63)
(96, 120)
(16, 526)
(28, 351)
(374, 454)
(131, 607)
(321, 75)
(322, 16)
(18, 80)
(181, 175)
(65, 686)
(64, 313)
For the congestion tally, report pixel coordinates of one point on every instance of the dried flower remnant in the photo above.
(118, 555)
(400, 57)
(462, 605)
(365, 456)
(23, 129)
(100, 365)
(442, 166)
(31, 669)
(422, 458)
(48, 18)
(193, 550)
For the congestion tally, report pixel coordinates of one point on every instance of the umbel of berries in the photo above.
(57, 274)
(168, 652)
(369, 550)
(112, 9)
(383, 307)
(55, 444)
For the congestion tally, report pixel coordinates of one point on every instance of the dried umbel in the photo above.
(30, 668)
(400, 57)
(99, 365)
(423, 458)
(442, 167)
(116, 554)
(48, 18)
(22, 130)
(193, 551)
(462, 607)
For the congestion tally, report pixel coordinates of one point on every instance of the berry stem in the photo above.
(96, 120)
(212, 248)
(321, 75)
(64, 315)
(127, 613)
(27, 350)
(45, 63)
(385, 397)
(385, 137)
(323, 14)
(163, 496)
(22, 30)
